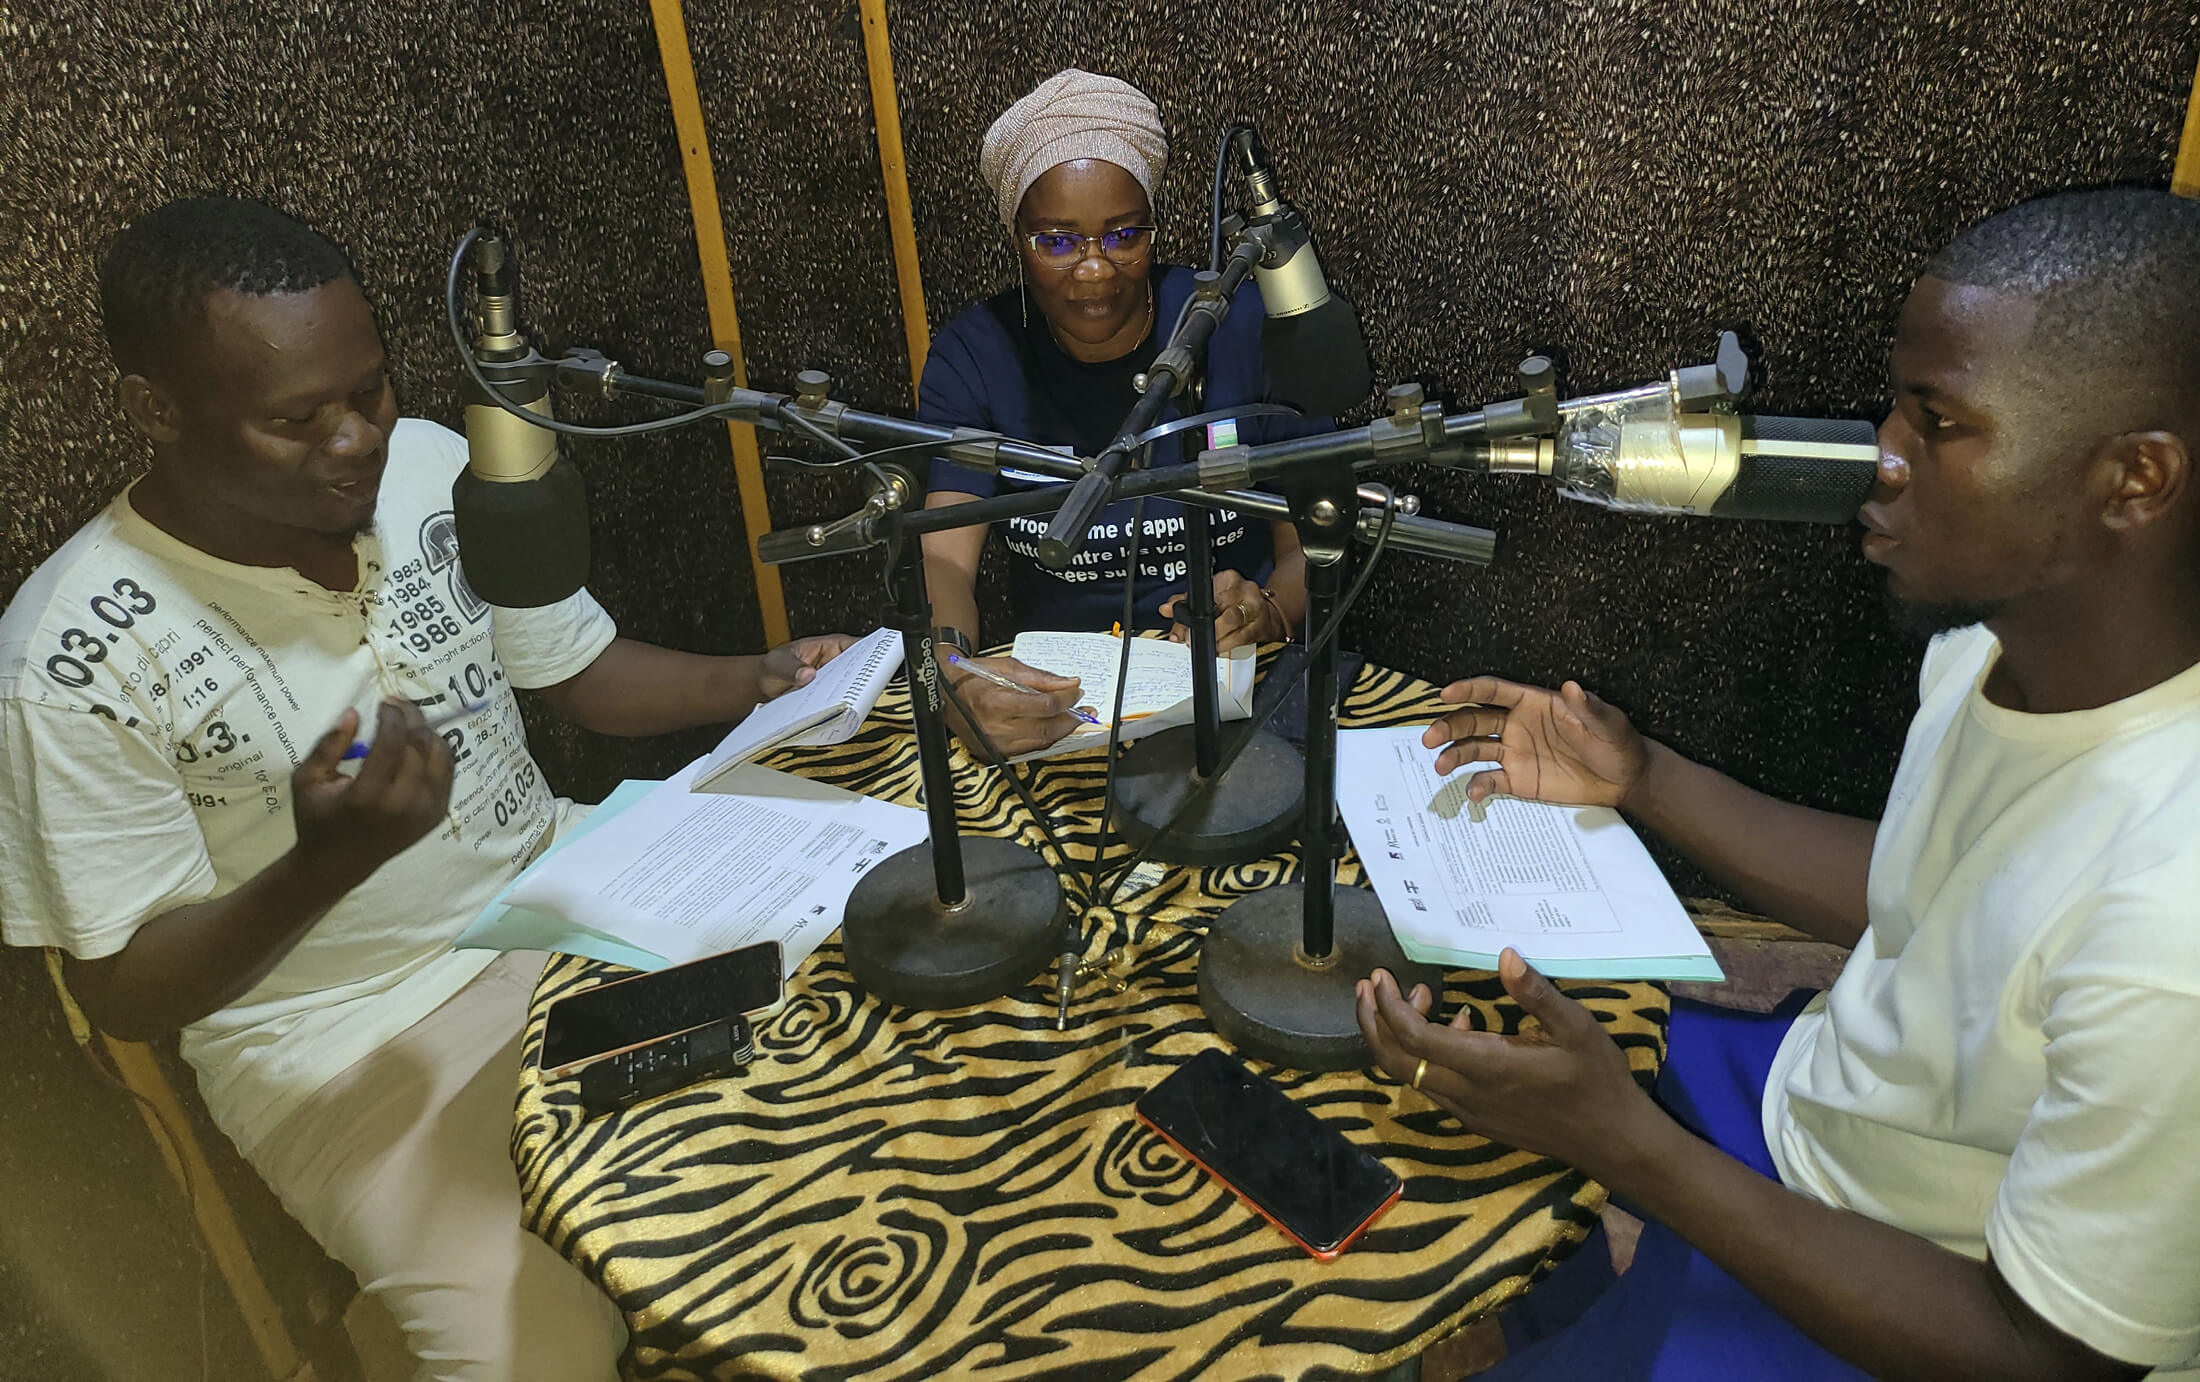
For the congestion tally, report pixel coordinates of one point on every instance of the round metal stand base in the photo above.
(1252, 813)
(1269, 1002)
(906, 948)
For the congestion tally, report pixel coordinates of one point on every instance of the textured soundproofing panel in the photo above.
(1613, 180)
(393, 128)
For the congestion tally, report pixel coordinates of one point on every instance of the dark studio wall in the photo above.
(1616, 180)
(1612, 179)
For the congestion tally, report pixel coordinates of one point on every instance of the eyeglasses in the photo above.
(1063, 249)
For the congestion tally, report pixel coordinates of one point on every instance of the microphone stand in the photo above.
(1253, 816)
(1277, 974)
(955, 921)
(1250, 816)
(1277, 970)
(959, 922)
(1168, 375)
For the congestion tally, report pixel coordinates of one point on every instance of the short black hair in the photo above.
(2116, 273)
(158, 273)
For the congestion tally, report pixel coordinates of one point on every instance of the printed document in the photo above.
(501, 926)
(766, 856)
(1157, 690)
(827, 711)
(1570, 888)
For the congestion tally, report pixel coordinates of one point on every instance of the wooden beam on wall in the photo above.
(725, 322)
(2185, 180)
(878, 57)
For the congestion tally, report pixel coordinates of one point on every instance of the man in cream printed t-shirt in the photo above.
(1975, 1155)
(184, 813)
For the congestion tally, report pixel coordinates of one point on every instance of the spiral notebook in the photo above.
(827, 711)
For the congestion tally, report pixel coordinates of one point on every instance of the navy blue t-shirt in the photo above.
(991, 369)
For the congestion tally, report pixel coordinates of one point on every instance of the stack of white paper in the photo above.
(681, 874)
(1570, 888)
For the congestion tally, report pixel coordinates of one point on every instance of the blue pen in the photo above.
(958, 660)
(448, 717)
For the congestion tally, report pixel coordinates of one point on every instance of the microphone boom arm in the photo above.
(1169, 374)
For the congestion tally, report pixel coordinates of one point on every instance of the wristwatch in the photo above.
(954, 638)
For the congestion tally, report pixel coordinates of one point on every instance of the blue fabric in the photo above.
(975, 377)
(1674, 1317)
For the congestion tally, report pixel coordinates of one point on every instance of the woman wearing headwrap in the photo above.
(1073, 167)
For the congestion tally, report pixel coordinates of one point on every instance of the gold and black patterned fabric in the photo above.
(888, 1193)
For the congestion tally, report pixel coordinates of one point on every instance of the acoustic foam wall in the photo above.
(1613, 180)
(393, 128)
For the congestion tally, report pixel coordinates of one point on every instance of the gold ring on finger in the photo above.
(1419, 1071)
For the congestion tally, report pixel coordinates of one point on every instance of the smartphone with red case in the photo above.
(1295, 1170)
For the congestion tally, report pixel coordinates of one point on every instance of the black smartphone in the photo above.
(635, 1011)
(1295, 1170)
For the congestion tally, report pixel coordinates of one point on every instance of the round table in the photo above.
(888, 1193)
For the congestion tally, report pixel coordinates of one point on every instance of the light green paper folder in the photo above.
(1695, 968)
(504, 927)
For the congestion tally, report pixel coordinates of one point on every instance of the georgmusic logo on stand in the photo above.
(439, 545)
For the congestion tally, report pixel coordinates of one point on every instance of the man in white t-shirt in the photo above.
(222, 798)
(1975, 1155)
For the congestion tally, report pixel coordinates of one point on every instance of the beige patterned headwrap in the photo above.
(1072, 115)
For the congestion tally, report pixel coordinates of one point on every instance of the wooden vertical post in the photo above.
(878, 57)
(725, 322)
(2185, 180)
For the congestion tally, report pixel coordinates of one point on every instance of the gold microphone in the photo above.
(520, 506)
(1647, 450)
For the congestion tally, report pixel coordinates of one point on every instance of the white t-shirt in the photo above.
(2007, 1061)
(153, 701)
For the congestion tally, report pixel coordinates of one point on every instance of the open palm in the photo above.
(1565, 746)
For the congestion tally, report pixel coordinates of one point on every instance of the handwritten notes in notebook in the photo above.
(1157, 687)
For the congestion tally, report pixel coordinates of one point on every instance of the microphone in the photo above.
(1310, 341)
(520, 507)
(1642, 451)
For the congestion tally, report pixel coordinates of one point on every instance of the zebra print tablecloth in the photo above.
(893, 1194)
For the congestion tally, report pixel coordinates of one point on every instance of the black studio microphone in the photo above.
(1311, 342)
(521, 508)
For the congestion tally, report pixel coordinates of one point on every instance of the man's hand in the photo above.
(1016, 721)
(351, 826)
(1243, 614)
(1561, 1088)
(795, 663)
(1563, 746)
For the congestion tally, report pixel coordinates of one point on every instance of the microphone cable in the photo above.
(457, 326)
(1115, 714)
(1230, 132)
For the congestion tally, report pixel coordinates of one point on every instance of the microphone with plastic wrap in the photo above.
(520, 506)
(1675, 446)
(1679, 446)
(1310, 340)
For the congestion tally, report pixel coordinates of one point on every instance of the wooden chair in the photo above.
(133, 1067)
